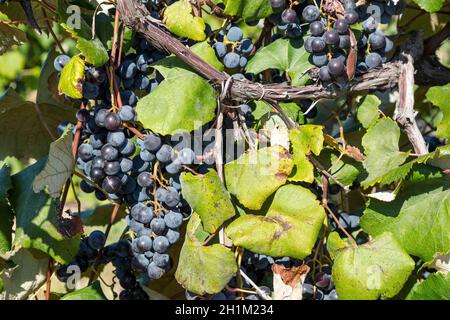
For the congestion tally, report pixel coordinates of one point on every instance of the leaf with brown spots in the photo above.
(290, 228)
(256, 175)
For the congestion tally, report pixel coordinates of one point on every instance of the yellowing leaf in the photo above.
(304, 140)
(256, 175)
(178, 19)
(290, 228)
(70, 82)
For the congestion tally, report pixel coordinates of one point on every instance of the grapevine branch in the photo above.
(137, 17)
(430, 72)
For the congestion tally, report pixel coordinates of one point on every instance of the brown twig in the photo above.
(115, 37)
(49, 27)
(48, 283)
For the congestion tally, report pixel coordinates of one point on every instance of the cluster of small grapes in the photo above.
(121, 169)
(233, 50)
(118, 253)
(287, 19)
(329, 41)
(373, 45)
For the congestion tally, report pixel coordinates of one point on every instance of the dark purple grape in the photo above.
(318, 45)
(351, 16)
(112, 121)
(308, 45)
(324, 74)
(311, 13)
(341, 26)
(276, 4)
(377, 40)
(373, 60)
(289, 16)
(344, 42)
(97, 174)
(319, 59)
(112, 184)
(331, 37)
(317, 28)
(336, 67)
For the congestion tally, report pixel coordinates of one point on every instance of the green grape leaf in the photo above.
(71, 80)
(173, 64)
(36, 218)
(382, 151)
(290, 227)
(440, 96)
(346, 170)
(438, 158)
(17, 115)
(59, 166)
(99, 219)
(435, 287)
(10, 36)
(367, 112)
(335, 244)
(250, 10)
(257, 174)
(430, 5)
(204, 269)
(182, 102)
(6, 212)
(285, 55)
(92, 292)
(418, 218)
(305, 140)
(376, 269)
(208, 197)
(179, 20)
(92, 49)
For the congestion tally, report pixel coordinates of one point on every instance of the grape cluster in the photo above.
(143, 172)
(287, 19)
(233, 49)
(329, 42)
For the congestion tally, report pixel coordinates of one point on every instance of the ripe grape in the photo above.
(289, 16)
(351, 16)
(344, 42)
(112, 121)
(331, 37)
(234, 34)
(373, 60)
(221, 49)
(336, 67)
(60, 62)
(97, 240)
(276, 4)
(109, 153)
(324, 74)
(161, 244)
(318, 45)
(319, 59)
(317, 28)
(341, 26)
(377, 40)
(231, 60)
(112, 184)
(311, 13)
